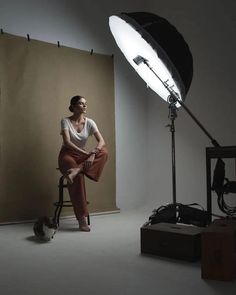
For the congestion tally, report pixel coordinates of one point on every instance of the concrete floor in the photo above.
(105, 261)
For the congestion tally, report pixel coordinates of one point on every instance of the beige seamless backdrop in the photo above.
(37, 81)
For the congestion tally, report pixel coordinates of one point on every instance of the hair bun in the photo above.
(71, 108)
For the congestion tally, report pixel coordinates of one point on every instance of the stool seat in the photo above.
(61, 202)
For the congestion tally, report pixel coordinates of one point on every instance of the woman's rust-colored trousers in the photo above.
(70, 159)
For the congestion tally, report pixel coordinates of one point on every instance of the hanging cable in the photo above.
(223, 186)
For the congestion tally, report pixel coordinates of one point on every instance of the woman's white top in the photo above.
(79, 138)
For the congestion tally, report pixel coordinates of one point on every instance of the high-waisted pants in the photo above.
(70, 159)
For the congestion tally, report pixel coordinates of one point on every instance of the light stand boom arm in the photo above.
(175, 97)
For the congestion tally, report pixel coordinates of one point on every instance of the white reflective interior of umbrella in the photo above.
(132, 44)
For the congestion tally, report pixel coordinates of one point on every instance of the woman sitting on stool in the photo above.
(75, 162)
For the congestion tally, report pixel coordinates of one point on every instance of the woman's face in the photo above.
(80, 106)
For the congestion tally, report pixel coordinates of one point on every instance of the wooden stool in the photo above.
(218, 250)
(61, 202)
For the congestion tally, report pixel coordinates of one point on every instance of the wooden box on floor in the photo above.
(218, 251)
(177, 241)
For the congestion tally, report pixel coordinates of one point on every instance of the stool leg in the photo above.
(59, 204)
(61, 197)
(88, 220)
(55, 218)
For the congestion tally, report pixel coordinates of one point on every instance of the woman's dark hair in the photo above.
(74, 100)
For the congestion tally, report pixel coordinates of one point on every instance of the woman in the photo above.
(75, 161)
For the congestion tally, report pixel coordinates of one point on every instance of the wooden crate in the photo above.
(218, 250)
(177, 241)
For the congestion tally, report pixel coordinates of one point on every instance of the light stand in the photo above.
(173, 99)
(172, 116)
(162, 58)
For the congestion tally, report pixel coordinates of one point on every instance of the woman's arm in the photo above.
(100, 141)
(68, 143)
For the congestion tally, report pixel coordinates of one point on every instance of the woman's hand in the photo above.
(95, 151)
(89, 161)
